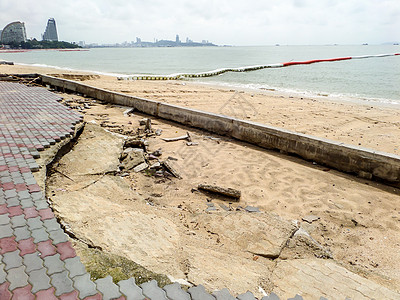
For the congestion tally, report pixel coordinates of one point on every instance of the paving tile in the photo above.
(31, 212)
(37, 196)
(23, 293)
(10, 193)
(47, 295)
(8, 244)
(17, 278)
(3, 209)
(15, 211)
(26, 203)
(46, 214)
(107, 288)
(62, 283)
(22, 233)
(58, 236)
(85, 286)
(130, 289)
(12, 260)
(297, 297)
(35, 223)
(199, 293)
(39, 280)
(4, 220)
(54, 264)
(175, 292)
(14, 201)
(66, 250)
(6, 231)
(41, 204)
(26, 246)
(4, 291)
(18, 221)
(153, 291)
(33, 262)
(40, 235)
(223, 294)
(3, 274)
(74, 266)
(97, 297)
(70, 296)
(51, 225)
(46, 248)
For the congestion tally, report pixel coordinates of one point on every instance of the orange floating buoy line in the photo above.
(245, 69)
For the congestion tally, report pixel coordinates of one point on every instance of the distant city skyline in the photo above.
(224, 22)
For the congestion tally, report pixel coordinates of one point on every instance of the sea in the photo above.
(371, 80)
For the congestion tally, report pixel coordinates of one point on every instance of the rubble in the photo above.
(232, 193)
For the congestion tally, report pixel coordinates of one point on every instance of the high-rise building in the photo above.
(177, 40)
(50, 33)
(13, 33)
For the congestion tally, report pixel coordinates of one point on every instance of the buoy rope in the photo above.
(244, 69)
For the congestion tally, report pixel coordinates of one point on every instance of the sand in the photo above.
(163, 225)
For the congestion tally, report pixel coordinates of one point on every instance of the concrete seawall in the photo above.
(364, 162)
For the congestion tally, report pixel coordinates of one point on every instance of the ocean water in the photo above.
(371, 79)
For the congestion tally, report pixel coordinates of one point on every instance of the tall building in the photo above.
(13, 33)
(177, 40)
(50, 33)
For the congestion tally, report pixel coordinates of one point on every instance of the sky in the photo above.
(223, 22)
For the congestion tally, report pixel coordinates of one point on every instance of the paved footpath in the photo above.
(37, 261)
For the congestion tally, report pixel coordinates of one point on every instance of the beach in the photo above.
(357, 220)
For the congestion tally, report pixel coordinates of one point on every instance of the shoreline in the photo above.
(320, 95)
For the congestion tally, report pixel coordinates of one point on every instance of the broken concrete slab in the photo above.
(134, 157)
(251, 209)
(232, 193)
(141, 167)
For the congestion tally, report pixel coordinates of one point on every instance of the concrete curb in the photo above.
(363, 162)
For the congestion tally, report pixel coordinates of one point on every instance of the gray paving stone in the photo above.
(39, 280)
(61, 283)
(131, 290)
(3, 273)
(13, 201)
(246, 296)
(223, 294)
(35, 223)
(6, 231)
(152, 291)
(85, 286)
(18, 221)
(323, 298)
(58, 236)
(40, 235)
(4, 219)
(18, 181)
(24, 194)
(199, 293)
(2, 200)
(271, 296)
(33, 262)
(37, 196)
(10, 194)
(41, 204)
(108, 288)
(51, 225)
(74, 266)
(30, 181)
(12, 260)
(22, 233)
(54, 264)
(17, 278)
(175, 292)
(26, 203)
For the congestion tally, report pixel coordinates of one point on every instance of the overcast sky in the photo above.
(233, 22)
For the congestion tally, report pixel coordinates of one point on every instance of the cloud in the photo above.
(236, 22)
